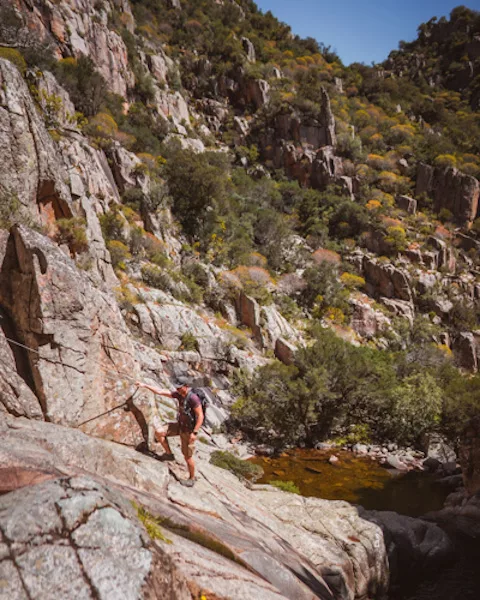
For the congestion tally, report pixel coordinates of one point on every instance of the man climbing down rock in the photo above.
(189, 420)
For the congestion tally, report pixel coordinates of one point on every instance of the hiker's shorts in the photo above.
(173, 429)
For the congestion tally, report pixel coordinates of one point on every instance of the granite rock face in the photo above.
(296, 548)
(465, 348)
(76, 538)
(366, 321)
(450, 189)
(82, 358)
(29, 165)
(387, 280)
(79, 27)
(52, 181)
(166, 320)
(407, 204)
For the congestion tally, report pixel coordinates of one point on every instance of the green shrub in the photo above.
(85, 85)
(189, 342)
(241, 468)
(119, 253)
(333, 385)
(113, 224)
(156, 277)
(197, 184)
(133, 197)
(286, 486)
(351, 281)
(72, 232)
(15, 57)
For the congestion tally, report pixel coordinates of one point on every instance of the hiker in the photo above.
(189, 420)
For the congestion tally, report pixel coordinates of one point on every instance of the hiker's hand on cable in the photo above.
(139, 384)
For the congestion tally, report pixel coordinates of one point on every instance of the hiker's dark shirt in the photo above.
(194, 402)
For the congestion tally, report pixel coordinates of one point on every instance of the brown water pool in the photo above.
(358, 480)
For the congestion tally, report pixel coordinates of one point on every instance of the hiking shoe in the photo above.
(187, 482)
(166, 457)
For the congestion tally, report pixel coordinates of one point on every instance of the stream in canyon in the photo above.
(361, 480)
(356, 479)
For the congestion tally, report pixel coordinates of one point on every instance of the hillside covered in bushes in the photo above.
(324, 213)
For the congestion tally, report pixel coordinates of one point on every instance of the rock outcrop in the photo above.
(450, 189)
(51, 182)
(81, 349)
(366, 321)
(407, 204)
(292, 547)
(414, 546)
(30, 169)
(74, 537)
(78, 28)
(386, 280)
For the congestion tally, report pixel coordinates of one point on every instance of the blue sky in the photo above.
(360, 30)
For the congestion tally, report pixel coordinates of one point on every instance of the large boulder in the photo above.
(248, 313)
(465, 349)
(415, 547)
(470, 456)
(276, 326)
(366, 320)
(249, 50)
(81, 358)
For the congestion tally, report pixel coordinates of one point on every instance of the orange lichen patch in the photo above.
(324, 255)
(413, 246)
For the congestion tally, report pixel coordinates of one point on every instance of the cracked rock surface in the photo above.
(71, 538)
(221, 538)
(81, 346)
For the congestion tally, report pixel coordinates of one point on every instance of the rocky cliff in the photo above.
(104, 281)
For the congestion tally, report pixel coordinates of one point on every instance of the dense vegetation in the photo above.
(335, 388)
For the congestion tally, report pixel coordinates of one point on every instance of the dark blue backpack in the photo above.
(187, 409)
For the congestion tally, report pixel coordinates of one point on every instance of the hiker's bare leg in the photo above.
(191, 467)
(163, 440)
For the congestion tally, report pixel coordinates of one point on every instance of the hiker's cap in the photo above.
(181, 381)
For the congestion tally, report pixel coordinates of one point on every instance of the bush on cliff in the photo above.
(198, 185)
(86, 86)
